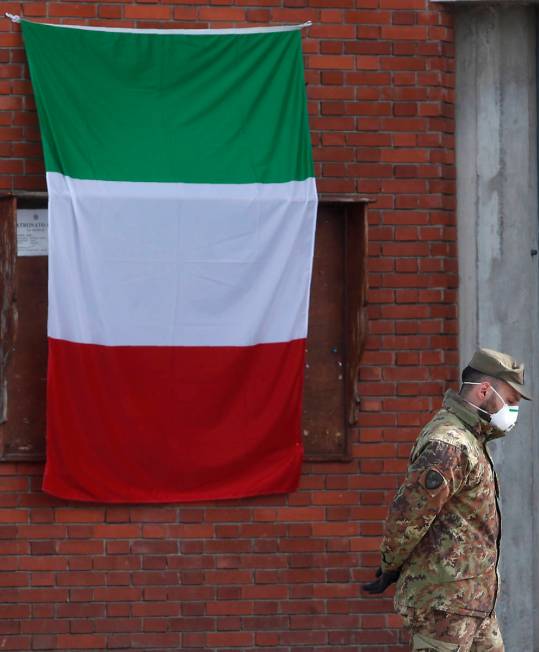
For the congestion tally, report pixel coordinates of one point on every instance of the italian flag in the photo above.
(182, 209)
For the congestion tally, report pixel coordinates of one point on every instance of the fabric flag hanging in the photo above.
(182, 208)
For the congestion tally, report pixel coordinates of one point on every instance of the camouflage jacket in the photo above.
(443, 527)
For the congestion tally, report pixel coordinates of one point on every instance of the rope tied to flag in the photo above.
(15, 18)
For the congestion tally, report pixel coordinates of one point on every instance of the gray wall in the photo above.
(498, 296)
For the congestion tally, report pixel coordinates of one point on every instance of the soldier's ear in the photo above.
(484, 389)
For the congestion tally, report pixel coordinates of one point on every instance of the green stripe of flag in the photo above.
(135, 106)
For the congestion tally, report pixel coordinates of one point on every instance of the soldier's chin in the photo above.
(486, 410)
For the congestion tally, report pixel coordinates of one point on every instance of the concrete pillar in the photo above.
(499, 276)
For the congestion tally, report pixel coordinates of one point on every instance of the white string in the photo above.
(190, 32)
(17, 19)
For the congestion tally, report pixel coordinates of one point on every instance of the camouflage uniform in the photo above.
(443, 632)
(443, 529)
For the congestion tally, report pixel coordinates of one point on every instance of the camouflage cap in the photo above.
(502, 366)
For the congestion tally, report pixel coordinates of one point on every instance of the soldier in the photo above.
(442, 534)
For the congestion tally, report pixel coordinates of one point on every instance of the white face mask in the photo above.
(505, 418)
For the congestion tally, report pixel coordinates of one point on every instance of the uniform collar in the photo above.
(481, 428)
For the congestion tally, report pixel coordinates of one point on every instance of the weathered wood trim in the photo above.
(8, 306)
(356, 322)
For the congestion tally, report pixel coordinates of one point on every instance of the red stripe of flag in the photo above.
(166, 424)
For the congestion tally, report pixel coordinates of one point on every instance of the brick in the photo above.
(35, 9)
(81, 579)
(41, 531)
(79, 515)
(369, 17)
(191, 531)
(44, 626)
(147, 547)
(151, 12)
(79, 610)
(14, 579)
(16, 643)
(334, 498)
(403, 18)
(334, 529)
(398, 4)
(405, 155)
(332, 31)
(117, 531)
(406, 32)
(367, 63)
(9, 515)
(161, 640)
(226, 607)
(332, 62)
(43, 563)
(80, 547)
(81, 642)
(61, 10)
(109, 12)
(48, 595)
(300, 514)
(230, 639)
(114, 594)
(221, 13)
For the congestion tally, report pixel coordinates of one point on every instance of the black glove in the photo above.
(383, 581)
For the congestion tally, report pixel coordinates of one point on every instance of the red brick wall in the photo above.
(279, 573)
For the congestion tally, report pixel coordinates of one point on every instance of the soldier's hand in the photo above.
(384, 580)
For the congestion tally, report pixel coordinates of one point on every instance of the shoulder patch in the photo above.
(433, 479)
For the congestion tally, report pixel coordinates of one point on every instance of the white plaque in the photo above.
(32, 237)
